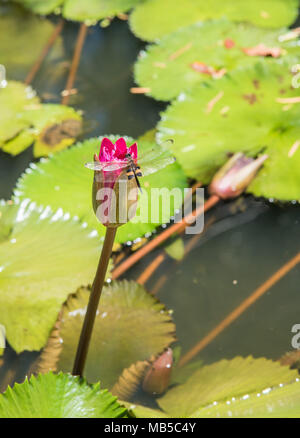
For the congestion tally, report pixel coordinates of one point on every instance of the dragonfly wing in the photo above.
(156, 165)
(106, 166)
(94, 165)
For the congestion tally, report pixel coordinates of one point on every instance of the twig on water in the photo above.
(37, 65)
(74, 66)
(162, 237)
(238, 311)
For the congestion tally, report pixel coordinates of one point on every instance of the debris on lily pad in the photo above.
(153, 19)
(208, 50)
(26, 121)
(254, 111)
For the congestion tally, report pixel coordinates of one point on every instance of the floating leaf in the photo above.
(58, 396)
(245, 111)
(140, 411)
(195, 53)
(155, 18)
(176, 249)
(239, 387)
(44, 256)
(280, 402)
(95, 10)
(131, 325)
(42, 7)
(223, 380)
(130, 379)
(21, 29)
(24, 121)
(64, 175)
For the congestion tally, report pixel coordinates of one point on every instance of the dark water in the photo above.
(230, 260)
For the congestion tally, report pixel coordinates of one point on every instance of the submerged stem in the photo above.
(88, 324)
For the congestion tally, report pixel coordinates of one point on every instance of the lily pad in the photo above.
(21, 29)
(131, 325)
(94, 10)
(176, 249)
(42, 7)
(25, 121)
(44, 256)
(168, 15)
(205, 51)
(249, 110)
(64, 182)
(58, 396)
(239, 387)
(282, 401)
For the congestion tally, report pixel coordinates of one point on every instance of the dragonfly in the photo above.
(150, 162)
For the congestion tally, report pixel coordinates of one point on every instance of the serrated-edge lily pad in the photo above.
(64, 182)
(251, 111)
(58, 396)
(169, 15)
(94, 10)
(26, 121)
(282, 401)
(130, 379)
(224, 381)
(44, 256)
(42, 7)
(19, 30)
(131, 325)
(206, 51)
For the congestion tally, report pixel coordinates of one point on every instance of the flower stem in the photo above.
(88, 324)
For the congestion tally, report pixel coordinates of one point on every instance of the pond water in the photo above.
(231, 259)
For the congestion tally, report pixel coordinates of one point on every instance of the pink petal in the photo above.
(133, 151)
(121, 148)
(106, 150)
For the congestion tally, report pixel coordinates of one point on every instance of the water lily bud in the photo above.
(115, 196)
(158, 377)
(235, 176)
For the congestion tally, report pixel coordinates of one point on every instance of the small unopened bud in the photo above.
(235, 176)
(158, 376)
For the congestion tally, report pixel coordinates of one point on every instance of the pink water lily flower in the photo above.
(114, 152)
(105, 181)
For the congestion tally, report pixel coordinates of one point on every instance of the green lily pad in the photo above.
(64, 182)
(175, 249)
(21, 29)
(131, 325)
(42, 7)
(239, 387)
(155, 18)
(94, 10)
(244, 111)
(140, 411)
(44, 256)
(280, 402)
(25, 121)
(58, 396)
(170, 67)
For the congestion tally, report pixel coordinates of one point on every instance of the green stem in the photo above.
(88, 324)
